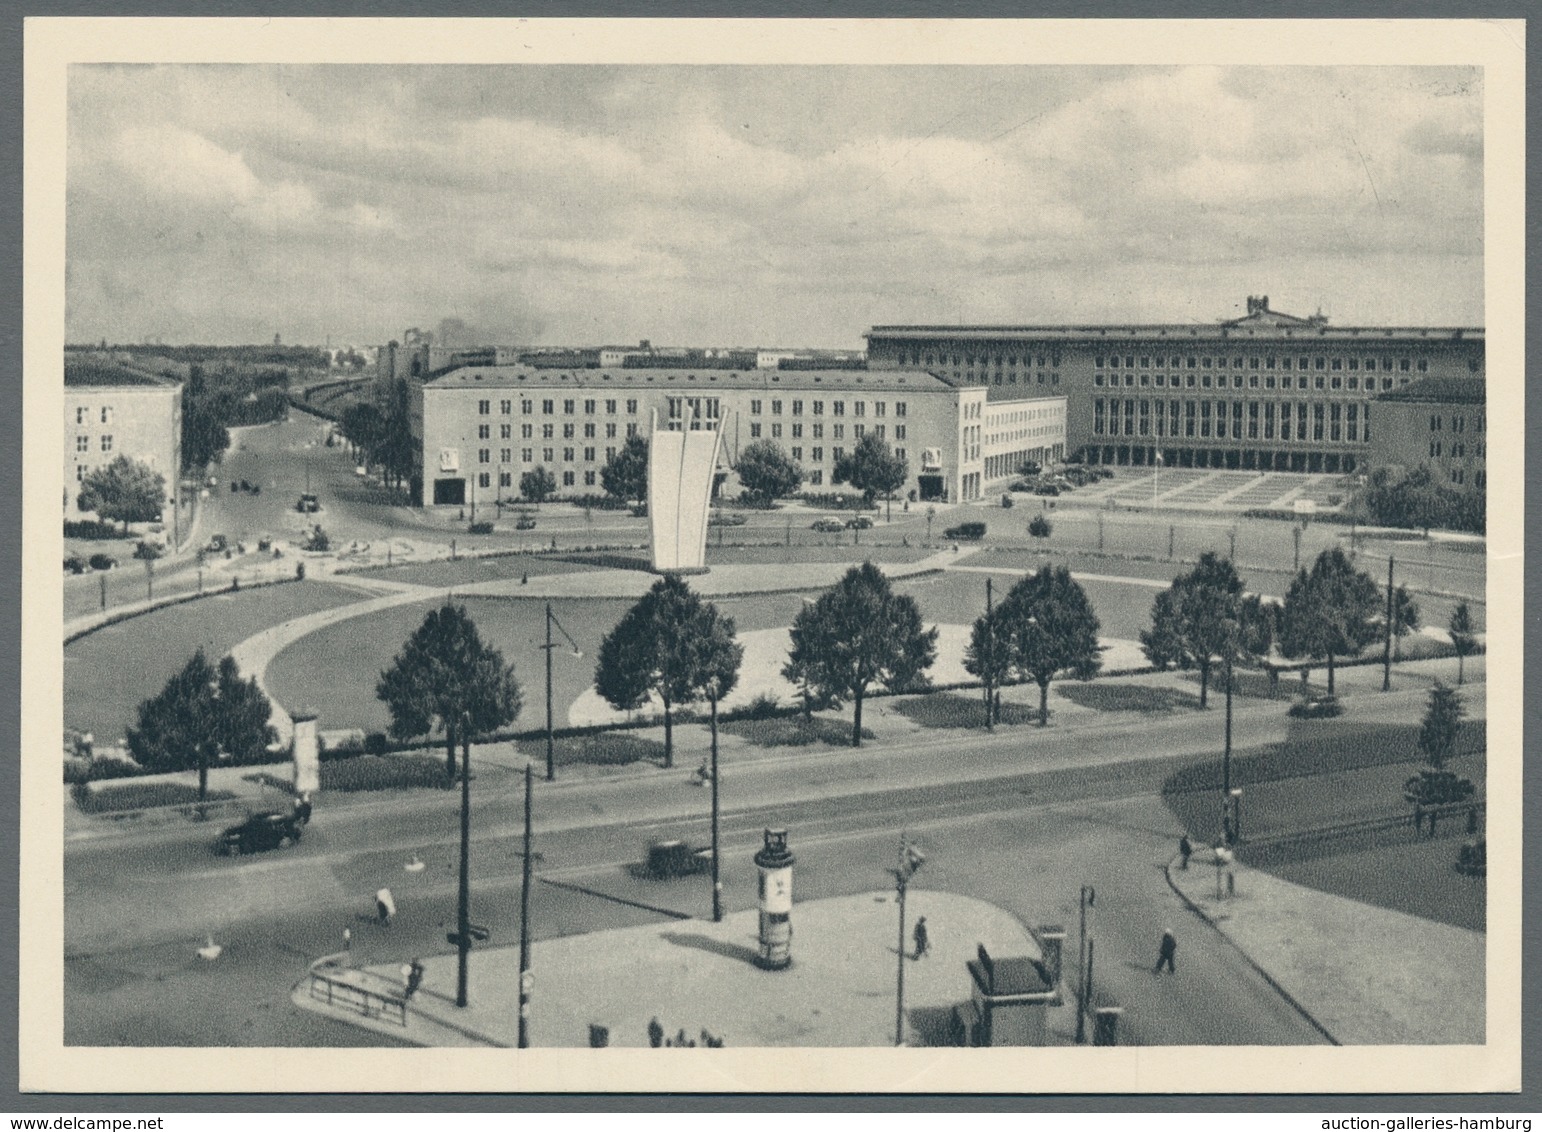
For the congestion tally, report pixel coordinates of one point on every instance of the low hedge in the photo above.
(837, 501)
(140, 796)
(91, 529)
(384, 772)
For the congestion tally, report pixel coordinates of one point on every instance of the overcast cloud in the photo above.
(760, 205)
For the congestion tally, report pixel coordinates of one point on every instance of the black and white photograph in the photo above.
(914, 555)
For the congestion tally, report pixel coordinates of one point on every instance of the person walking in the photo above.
(385, 906)
(413, 973)
(1185, 850)
(922, 942)
(1166, 952)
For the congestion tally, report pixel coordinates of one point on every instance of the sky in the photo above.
(769, 206)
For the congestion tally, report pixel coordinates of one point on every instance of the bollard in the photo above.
(1105, 1026)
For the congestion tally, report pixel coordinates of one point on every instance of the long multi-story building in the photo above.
(1439, 423)
(1267, 391)
(111, 411)
(485, 426)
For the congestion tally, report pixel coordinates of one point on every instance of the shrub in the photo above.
(76, 771)
(376, 743)
(317, 540)
(90, 529)
(147, 551)
(140, 796)
(837, 501)
(794, 731)
(481, 527)
(763, 706)
(103, 562)
(599, 502)
(105, 767)
(965, 531)
(1039, 527)
(74, 564)
(388, 772)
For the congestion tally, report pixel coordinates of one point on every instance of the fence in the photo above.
(331, 984)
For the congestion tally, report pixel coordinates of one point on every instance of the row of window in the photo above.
(83, 443)
(83, 414)
(1267, 420)
(837, 408)
(549, 432)
(1302, 362)
(1459, 477)
(1457, 449)
(914, 358)
(1219, 381)
(1458, 424)
(549, 406)
(817, 431)
(1010, 377)
(506, 479)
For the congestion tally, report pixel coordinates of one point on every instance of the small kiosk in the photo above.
(775, 862)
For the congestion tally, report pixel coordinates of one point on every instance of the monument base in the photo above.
(680, 571)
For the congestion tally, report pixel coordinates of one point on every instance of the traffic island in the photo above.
(693, 978)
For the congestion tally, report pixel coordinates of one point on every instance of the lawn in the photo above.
(464, 571)
(108, 673)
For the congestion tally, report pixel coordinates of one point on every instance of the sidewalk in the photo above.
(839, 991)
(1330, 954)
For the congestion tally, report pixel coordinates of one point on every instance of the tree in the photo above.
(1434, 785)
(1189, 619)
(124, 491)
(445, 678)
(625, 475)
(1463, 639)
(650, 652)
(859, 633)
(363, 427)
(872, 469)
(767, 473)
(1048, 627)
(1405, 619)
(204, 435)
(1329, 611)
(987, 656)
(537, 486)
(714, 657)
(203, 712)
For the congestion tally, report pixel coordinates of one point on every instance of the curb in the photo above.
(1167, 873)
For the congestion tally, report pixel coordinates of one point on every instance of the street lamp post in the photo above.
(551, 755)
(463, 892)
(1386, 652)
(910, 859)
(524, 922)
(990, 657)
(1084, 964)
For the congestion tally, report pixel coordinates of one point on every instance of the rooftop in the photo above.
(691, 381)
(1441, 390)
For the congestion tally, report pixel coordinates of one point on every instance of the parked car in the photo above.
(675, 859)
(829, 525)
(1317, 706)
(218, 545)
(965, 531)
(1047, 489)
(524, 523)
(308, 504)
(260, 832)
(859, 522)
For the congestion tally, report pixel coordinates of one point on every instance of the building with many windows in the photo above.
(1439, 423)
(485, 426)
(1268, 391)
(111, 411)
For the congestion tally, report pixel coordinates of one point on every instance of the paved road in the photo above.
(1025, 833)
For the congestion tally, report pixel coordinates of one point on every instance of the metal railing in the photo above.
(334, 989)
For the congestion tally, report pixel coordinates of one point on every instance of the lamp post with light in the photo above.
(551, 755)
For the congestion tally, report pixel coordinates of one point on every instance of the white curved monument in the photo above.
(681, 467)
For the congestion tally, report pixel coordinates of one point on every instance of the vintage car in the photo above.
(260, 832)
(675, 859)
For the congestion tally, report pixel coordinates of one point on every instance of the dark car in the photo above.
(217, 545)
(261, 832)
(860, 523)
(676, 859)
(308, 504)
(524, 523)
(828, 526)
(965, 531)
(1317, 706)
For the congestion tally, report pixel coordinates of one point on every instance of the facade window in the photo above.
(610, 407)
(1352, 421)
(82, 443)
(526, 431)
(859, 431)
(610, 431)
(1097, 379)
(754, 408)
(631, 408)
(548, 431)
(776, 408)
(1319, 381)
(589, 431)
(838, 408)
(1403, 364)
(527, 455)
(505, 479)
(505, 455)
(837, 453)
(755, 430)
(816, 477)
(1252, 420)
(899, 408)
(1337, 383)
(1335, 412)
(484, 432)
(819, 431)
(568, 479)
(797, 453)
(548, 406)
(81, 413)
(1338, 364)
(549, 455)
(484, 455)
(484, 479)
(589, 478)
(1434, 448)
(589, 407)
(505, 431)
(1097, 362)
(567, 455)
(1205, 381)
(1435, 423)
(1424, 365)
(107, 442)
(81, 471)
(484, 407)
(107, 411)
(505, 407)
(797, 431)
(589, 453)
(1204, 363)
(1321, 363)
(568, 431)
(526, 406)
(819, 408)
(1354, 384)
(818, 454)
(776, 430)
(567, 407)
(797, 408)
(1188, 418)
(1285, 420)
(879, 408)
(1317, 420)
(859, 408)
(899, 432)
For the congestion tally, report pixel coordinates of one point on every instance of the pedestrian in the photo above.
(385, 905)
(413, 973)
(347, 941)
(1165, 953)
(1185, 850)
(922, 942)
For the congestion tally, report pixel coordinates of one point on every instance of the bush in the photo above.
(376, 743)
(105, 766)
(388, 772)
(140, 796)
(794, 731)
(74, 564)
(837, 501)
(599, 502)
(147, 551)
(481, 527)
(763, 706)
(1039, 527)
(965, 531)
(90, 529)
(1006, 500)
(719, 519)
(76, 771)
(103, 561)
(317, 540)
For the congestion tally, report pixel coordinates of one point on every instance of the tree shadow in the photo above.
(1128, 697)
(960, 711)
(714, 946)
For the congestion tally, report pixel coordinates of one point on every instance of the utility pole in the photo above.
(463, 895)
(717, 883)
(909, 861)
(1386, 652)
(1296, 532)
(1084, 965)
(990, 656)
(524, 922)
(551, 755)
